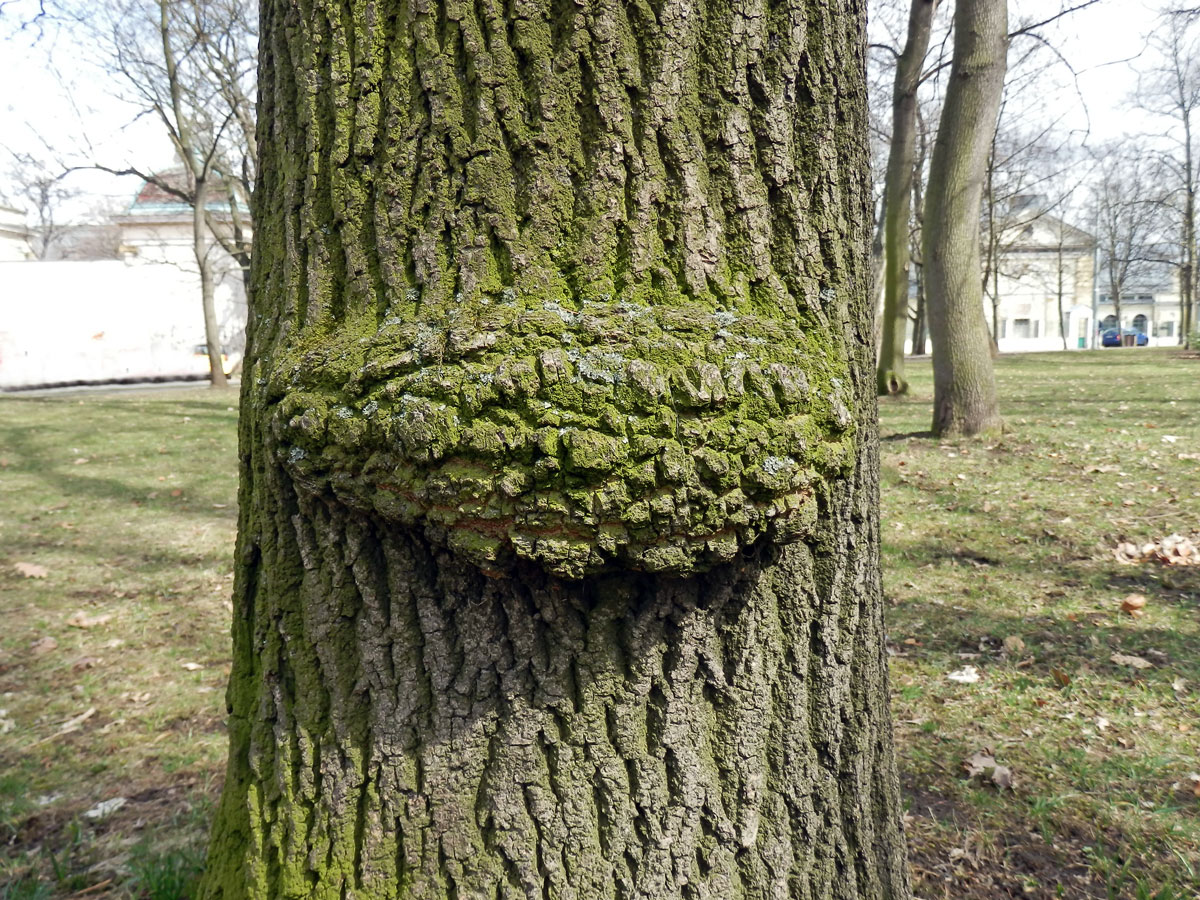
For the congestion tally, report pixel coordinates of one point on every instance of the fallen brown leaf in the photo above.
(43, 645)
(83, 620)
(983, 763)
(1135, 662)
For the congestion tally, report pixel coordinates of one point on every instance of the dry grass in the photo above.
(1013, 538)
(127, 501)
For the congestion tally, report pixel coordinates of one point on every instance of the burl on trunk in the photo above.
(557, 571)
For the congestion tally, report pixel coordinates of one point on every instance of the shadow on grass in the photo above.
(908, 435)
(30, 443)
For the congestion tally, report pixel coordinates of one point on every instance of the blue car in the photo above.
(1112, 338)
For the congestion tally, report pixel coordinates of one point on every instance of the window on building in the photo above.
(1023, 328)
(1109, 322)
(1144, 298)
(1139, 323)
(1166, 329)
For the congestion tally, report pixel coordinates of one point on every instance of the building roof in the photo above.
(153, 200)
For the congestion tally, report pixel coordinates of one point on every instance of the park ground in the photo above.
(1044, 643)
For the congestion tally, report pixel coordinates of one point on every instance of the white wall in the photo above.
(14, 239)
(104, 320)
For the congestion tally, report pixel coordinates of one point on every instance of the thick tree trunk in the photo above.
(898, 208)
(557, 565)
(964, 392)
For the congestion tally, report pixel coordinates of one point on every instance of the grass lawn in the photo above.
(117, 515)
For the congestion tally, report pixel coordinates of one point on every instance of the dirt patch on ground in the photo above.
(953, 857)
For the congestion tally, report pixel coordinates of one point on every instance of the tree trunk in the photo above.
(557, 568)
(1060, 287)
(878, 271)
(212, 332)
(964, 386)
(920, 318)
(898, 191)
(919, 326)
(1188, 275)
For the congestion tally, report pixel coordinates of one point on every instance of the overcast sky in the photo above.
(52, 98)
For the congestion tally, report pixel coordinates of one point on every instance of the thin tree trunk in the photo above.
(557, 565)
(1060, 288)
(212, 331)
(898, 191)
(1188, 275)
(991, 262)
(920, 317)
(197, 164)
(878, 273)
(964, 384)
(920, 329)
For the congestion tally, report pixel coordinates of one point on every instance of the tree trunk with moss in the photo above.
(964, 386)
(898, 191)
(557, 568)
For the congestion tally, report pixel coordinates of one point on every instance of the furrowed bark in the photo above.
(557, 569)
(898, 208)
(964, 398)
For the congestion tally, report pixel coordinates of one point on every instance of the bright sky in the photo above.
(51, 96)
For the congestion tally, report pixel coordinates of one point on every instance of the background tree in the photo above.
(1011, 164)
(1127, 206)
(964, 385)
(63, 227)
(1031, 178)
(1170, 88)
(41, 191)
(556, 571)
(919, 316)
(188, 64)
(898, 197)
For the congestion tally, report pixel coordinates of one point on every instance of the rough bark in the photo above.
(557, 568)
(898, 191)
(964, 393)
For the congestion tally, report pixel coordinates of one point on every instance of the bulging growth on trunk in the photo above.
(557, 566)
(964, 385)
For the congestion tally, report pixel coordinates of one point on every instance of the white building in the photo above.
(1045, 278)
(14, 236)
(134, 318)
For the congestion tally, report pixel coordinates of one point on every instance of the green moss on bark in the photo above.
(660, 438)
